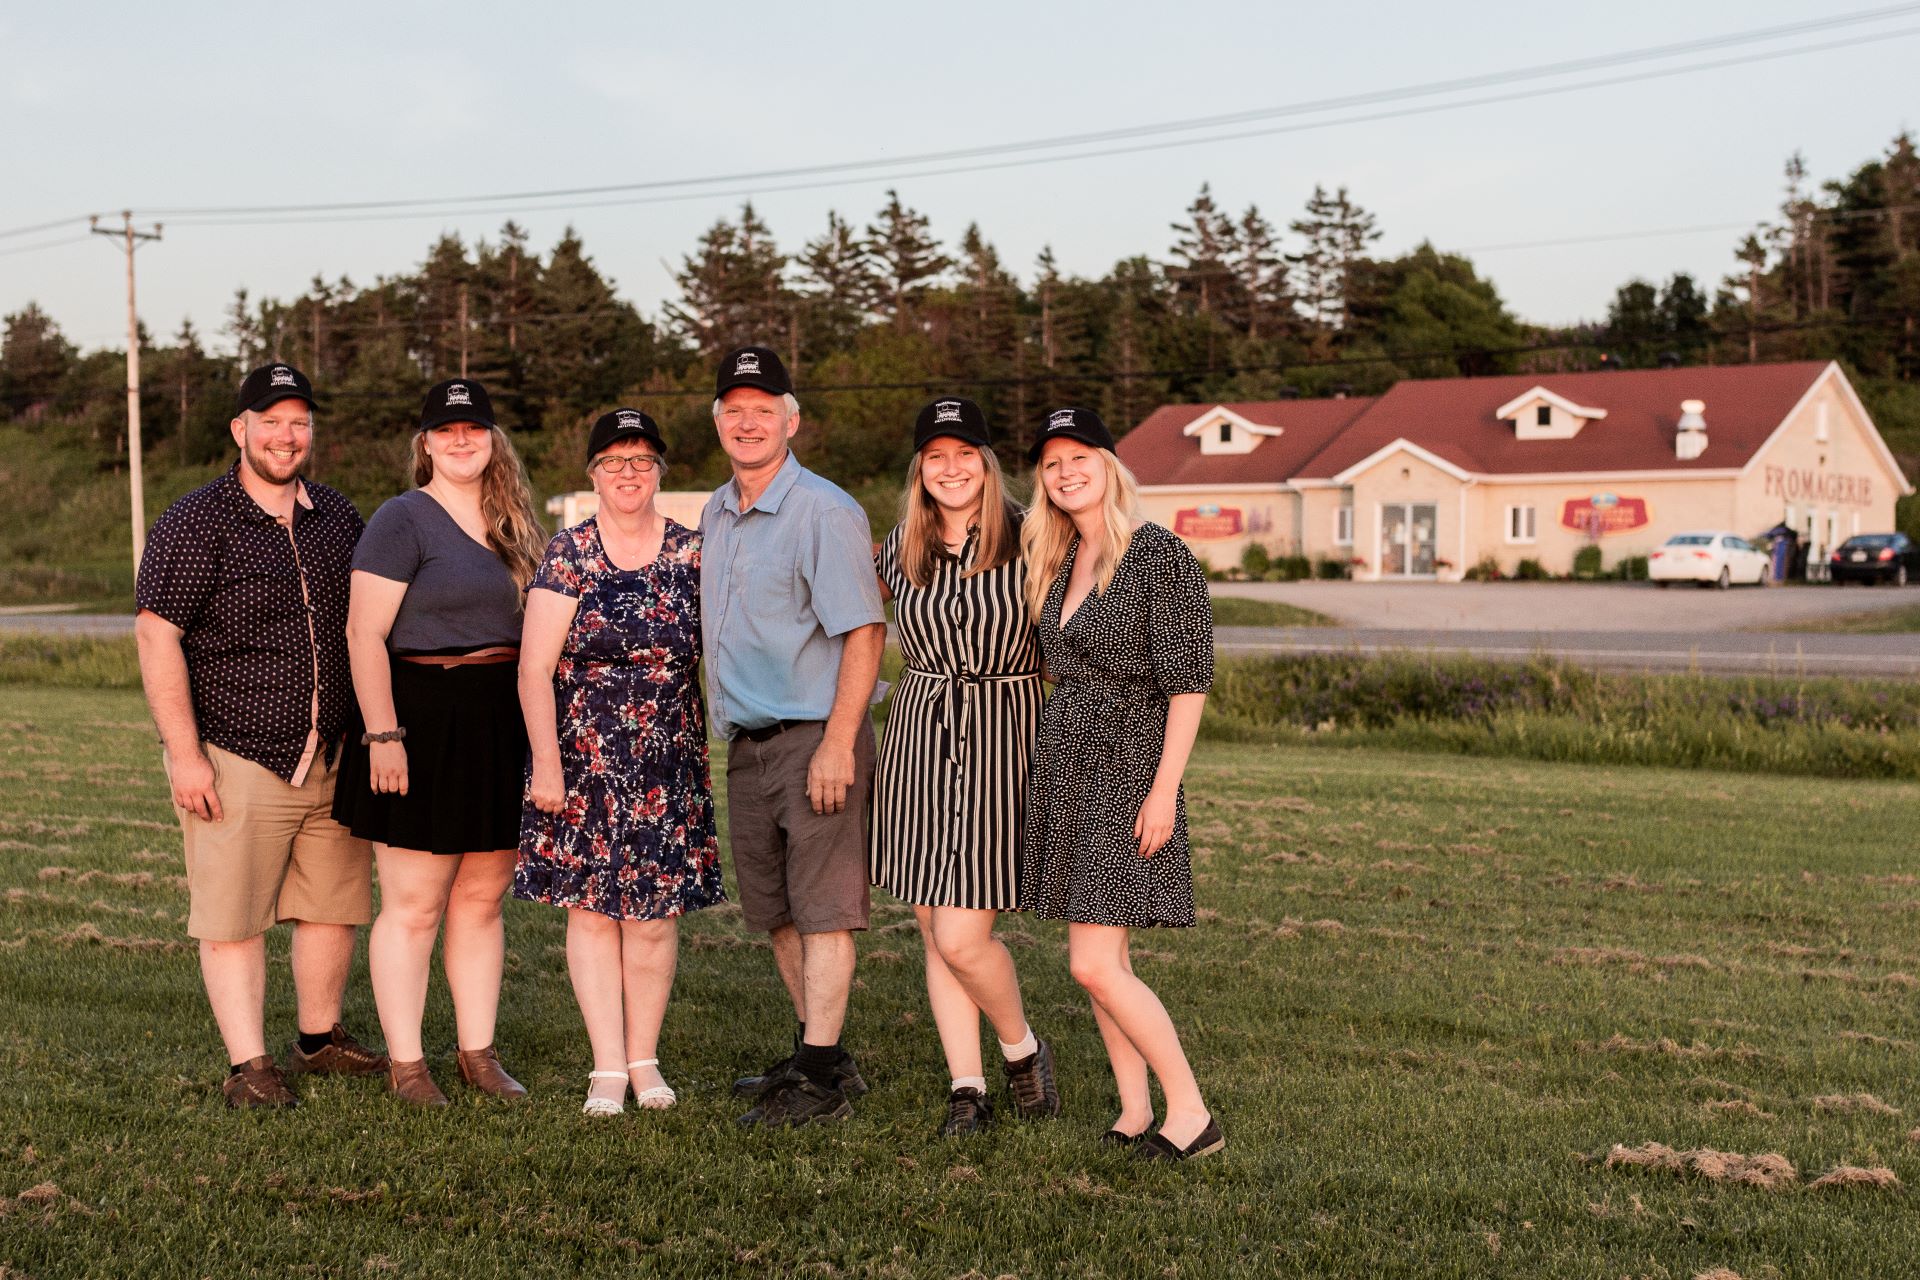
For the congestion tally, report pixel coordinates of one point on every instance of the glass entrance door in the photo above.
(1408, 532)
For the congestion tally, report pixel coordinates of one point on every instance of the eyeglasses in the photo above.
(639, 462)
(760, 415)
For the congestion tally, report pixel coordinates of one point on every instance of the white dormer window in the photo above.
(1221, 430)
(1541, 414)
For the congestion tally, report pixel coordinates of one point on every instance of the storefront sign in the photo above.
(1209, 521)
(1604, 514)
(1804, 484)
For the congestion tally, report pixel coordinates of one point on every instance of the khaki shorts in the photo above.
(796, 866)
(277, 854)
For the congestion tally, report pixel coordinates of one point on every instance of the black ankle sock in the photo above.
(315, 1041)
(817, 1062)
(235, 1068)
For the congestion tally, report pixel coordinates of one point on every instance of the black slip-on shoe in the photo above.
(1156, 1147)
(846, 1076)
(1115, 1138)
(968, 1111)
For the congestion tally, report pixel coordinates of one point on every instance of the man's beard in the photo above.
(271, 469)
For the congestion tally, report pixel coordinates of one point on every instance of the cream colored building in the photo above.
(1436, 476)
(680, 505)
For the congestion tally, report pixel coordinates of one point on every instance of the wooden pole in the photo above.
(131, 241)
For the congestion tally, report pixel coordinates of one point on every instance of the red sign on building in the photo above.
(1208, 521)
(1604, 514)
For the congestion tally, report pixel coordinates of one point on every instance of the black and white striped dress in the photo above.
(950, 783)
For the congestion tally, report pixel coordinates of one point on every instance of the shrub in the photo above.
(1255, 561)
(1327, 570)
(1531, 570)
(1485, 569)
(1586, 563)
(1292, 568)
(1631, 569)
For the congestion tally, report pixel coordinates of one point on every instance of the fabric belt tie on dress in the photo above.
(479, 657)
(951, 710)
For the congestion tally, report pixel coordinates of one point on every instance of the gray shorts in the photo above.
(795, 866)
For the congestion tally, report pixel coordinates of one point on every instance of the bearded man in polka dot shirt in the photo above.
(242, 599)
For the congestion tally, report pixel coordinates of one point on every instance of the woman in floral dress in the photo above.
(618, 822)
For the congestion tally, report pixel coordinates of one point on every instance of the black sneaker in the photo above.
(1030, 1080)
(846, 1076)
(968, 1111)
(796, 1101)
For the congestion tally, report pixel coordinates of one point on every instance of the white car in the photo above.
(1710, 558)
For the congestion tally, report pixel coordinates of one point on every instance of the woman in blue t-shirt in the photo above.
(433, 771)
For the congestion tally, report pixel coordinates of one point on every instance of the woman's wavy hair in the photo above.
(506, 504)
(1048, 531)
(920, 543)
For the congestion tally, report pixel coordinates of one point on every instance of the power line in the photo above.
(48, 244)
(76, 220)
(1057, 142)
(446, 208)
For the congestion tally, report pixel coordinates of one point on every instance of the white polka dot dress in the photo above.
(1117, 660)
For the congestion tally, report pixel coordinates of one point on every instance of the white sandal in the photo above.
(605, 1106)
(659, 1097)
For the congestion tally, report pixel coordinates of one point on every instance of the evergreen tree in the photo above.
(34, 359)
(1205, 253)
(1337, 232)
(909, 261)
(1260, 269)
(838, 287)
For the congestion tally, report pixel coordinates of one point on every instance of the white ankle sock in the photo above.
(1027, 1047)
(970, 1082)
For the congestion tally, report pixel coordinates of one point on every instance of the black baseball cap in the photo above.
(953, 416)
(270, 384)
(456, 400)
(624, 424)
(1071, 423)
(753, 367)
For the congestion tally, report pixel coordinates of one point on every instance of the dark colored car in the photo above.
(1876, 557)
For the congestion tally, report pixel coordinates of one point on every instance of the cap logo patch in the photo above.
(749, 362)
(1061, 420)
(628, 420)
(947, 411)
(458, 394)
(282, 377)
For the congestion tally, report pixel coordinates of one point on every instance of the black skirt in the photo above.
(466, 762)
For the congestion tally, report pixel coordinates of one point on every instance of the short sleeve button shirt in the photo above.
(781, 585)
(263, 611)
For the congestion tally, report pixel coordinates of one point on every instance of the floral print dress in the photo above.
(636, 839)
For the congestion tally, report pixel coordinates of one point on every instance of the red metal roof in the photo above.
(1453, 418)
(1157, 453)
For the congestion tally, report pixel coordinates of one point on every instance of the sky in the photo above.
(188, 105)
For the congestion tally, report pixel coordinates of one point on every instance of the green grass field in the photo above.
(1869, 622)
(1427, 997)
(1239, 611)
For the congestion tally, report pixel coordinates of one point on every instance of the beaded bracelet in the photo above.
(390, 735)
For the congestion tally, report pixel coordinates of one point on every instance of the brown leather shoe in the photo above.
(481, 1069)
(342, 1055)
(258, 1083)
(412, 1082)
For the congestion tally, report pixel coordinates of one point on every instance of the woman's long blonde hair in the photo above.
(1048, 532)
(506, 504)
(920, 538)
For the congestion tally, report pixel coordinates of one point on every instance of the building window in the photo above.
(1521, 524)
(1226, 433)
(1343, 526)
(1543, 417)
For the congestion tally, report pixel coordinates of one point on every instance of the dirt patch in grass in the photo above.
(1769, 1171)
(1867, 1037)
(1665, 1047)
(1848, 1177)
(1853, 1103)
(1635, 961)
(1736, 1107)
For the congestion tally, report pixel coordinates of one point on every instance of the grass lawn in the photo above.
(1427, 992)
(1239, 611)
(1870, 622)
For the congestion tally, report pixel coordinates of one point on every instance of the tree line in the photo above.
(876, 315)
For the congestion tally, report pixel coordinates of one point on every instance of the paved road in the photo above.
(1571, 606)
(1725, 652)
(1614, 627)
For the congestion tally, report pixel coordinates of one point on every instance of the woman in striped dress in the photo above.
(950, 781)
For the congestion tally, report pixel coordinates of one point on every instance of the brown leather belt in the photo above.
(502, 653)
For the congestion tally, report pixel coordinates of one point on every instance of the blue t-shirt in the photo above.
(460, 596)
(781, 584)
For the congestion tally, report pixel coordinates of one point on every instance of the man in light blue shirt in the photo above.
(792, 629)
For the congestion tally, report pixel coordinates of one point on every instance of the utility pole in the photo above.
(463, 330)
(132, 240)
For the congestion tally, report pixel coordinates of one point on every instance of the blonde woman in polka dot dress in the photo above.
(1126, 629)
